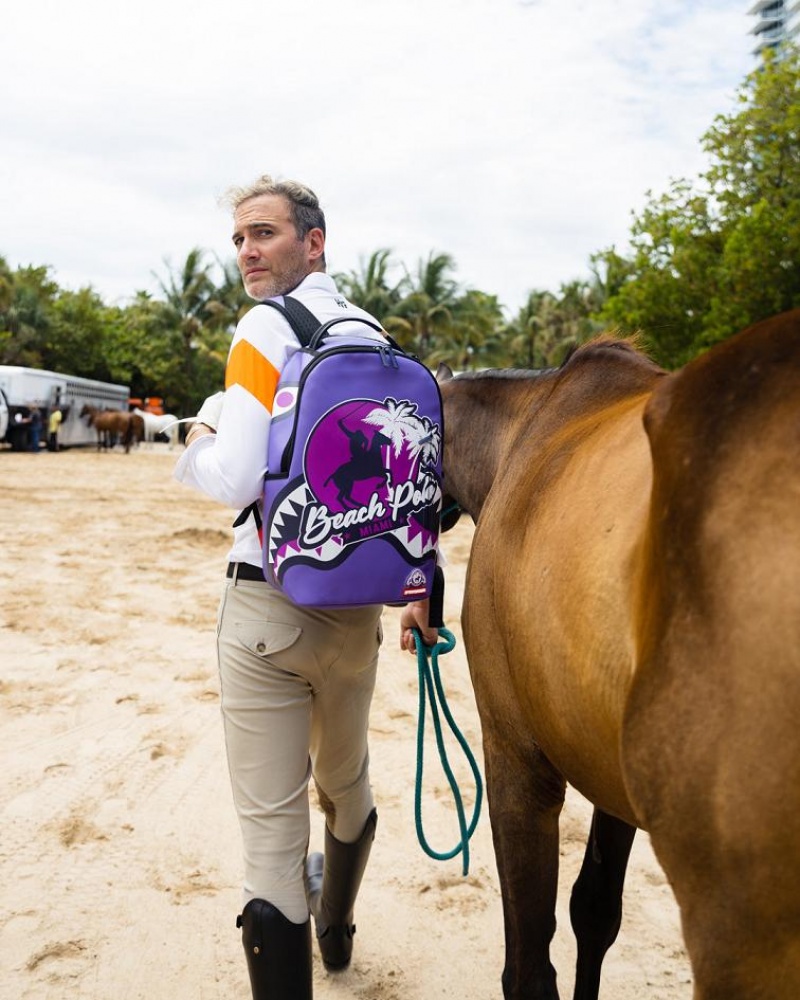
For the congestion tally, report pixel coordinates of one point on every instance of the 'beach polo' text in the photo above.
(319, 523)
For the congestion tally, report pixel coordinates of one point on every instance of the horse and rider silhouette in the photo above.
(365, 462)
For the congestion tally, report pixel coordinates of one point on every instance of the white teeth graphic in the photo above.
(281, 547)
(289, 509)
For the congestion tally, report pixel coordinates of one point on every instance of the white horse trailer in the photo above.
(27, 387)
(3, 415)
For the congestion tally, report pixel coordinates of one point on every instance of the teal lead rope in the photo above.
(430, 688)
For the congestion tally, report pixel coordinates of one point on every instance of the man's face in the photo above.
(271, 258)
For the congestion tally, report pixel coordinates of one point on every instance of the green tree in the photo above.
(143, 349)
(755, 179)
(78, 334)
(710, 258)
(6, 286)
(676, 252)
(26, 315)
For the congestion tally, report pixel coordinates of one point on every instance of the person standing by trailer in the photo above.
(296, 682)
(36, 429)
(53, 426)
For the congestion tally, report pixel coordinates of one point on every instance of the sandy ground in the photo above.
(119, 847)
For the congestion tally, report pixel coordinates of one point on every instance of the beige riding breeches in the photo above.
(297, 685)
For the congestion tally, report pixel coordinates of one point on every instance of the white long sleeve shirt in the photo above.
(229, 466)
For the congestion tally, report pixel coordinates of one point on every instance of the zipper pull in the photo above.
(388, 358)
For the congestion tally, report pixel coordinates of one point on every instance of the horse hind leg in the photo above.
(596, 901)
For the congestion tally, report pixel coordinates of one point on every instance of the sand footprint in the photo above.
(195, 882)
(57, 951)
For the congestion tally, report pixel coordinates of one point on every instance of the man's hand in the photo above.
(415, 616)
(211, 410)
(207, 417)
(197, 430)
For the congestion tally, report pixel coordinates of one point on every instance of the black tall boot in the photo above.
(278, 953)
(332, 882)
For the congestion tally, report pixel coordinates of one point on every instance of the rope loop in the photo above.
(431, 690)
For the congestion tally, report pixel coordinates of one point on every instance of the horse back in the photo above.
(723, 544)
(711, 743)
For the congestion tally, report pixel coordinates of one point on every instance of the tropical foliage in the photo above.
(709, 258)
(705, 259)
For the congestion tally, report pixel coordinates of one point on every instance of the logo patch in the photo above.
(416, 585)
(369, 469)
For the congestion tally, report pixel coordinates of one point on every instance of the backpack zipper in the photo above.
(388, 359)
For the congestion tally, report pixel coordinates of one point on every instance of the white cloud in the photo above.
(518, 137)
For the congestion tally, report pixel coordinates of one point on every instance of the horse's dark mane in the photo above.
(602, 344)
(591, 350)
(505, 373)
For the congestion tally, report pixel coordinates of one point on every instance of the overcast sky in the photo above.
(516, 135)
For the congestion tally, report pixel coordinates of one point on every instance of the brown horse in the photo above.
(111, 426)
(632, 624)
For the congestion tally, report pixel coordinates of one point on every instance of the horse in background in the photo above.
(631, 620)
(155, 424)
(111, 426)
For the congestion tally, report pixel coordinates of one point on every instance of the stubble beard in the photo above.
(278, 282)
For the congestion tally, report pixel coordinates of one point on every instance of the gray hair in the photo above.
(303, 203)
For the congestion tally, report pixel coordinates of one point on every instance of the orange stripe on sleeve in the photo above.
(252, 371)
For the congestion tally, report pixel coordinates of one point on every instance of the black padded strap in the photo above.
(303, 322)
(308, 329)
(436, 607)
(244, 514)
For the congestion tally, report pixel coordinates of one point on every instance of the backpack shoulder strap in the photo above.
(308, 329)
(303, 322)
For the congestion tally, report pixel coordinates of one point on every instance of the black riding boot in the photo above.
(278, 953)
(332, 882)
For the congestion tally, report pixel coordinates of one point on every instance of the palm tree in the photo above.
(548, 325)
(188, 289)
(425, 312)
(370, 287)
(530, 334)
(187, 292)
(470, 339)
(229, 301)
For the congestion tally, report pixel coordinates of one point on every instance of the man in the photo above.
(36, 429)
(296, 683)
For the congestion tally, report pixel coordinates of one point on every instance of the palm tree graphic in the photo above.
(399, 422)
(425, 444)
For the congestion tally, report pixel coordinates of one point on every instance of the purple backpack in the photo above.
(352, 495)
